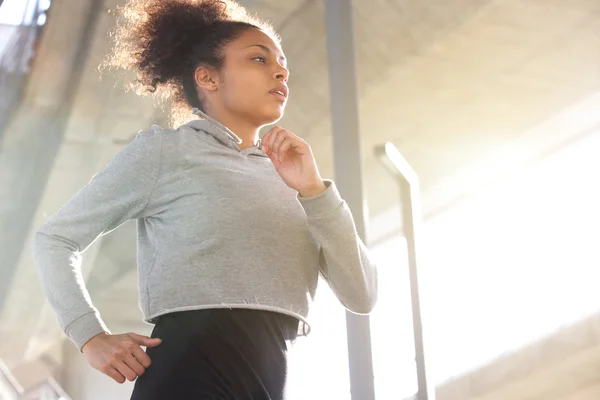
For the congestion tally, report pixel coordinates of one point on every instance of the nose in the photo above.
(282, 74)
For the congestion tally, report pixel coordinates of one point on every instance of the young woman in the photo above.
(233, 231)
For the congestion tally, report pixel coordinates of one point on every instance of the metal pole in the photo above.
(408, 182)
(348, 173)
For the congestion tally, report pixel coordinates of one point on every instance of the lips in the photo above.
(281, 91)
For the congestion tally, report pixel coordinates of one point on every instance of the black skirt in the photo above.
(218, 354)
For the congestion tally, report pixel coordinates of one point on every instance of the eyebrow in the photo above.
(268, 50)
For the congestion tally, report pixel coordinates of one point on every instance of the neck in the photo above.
(244, 129)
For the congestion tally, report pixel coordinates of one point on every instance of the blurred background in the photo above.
(494, 103)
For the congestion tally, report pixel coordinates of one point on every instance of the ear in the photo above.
(206, 78)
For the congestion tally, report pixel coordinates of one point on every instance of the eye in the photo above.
(260, 59)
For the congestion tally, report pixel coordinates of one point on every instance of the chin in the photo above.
(271, 117)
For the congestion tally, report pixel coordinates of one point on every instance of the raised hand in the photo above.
(294, 161)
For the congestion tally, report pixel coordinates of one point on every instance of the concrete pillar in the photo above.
(34, 135)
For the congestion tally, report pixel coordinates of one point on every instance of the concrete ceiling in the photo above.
(449, 82)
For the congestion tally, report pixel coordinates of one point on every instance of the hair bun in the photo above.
(162, 40)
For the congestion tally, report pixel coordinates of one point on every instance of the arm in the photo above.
(344, 260)
(118, 193)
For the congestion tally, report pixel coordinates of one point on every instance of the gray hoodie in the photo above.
(216, 228)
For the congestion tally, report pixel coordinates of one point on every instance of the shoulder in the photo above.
(174, 146)
(157, 138)
(145, 143)
(167, 135)
(177, 141)
(152, 135)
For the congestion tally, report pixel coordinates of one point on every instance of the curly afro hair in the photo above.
(164, 41)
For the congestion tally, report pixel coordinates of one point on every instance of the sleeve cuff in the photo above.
(324, 203)
(84, 328)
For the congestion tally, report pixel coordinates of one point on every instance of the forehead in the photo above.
(257, 37)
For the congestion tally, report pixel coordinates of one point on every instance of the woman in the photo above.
(232, 231)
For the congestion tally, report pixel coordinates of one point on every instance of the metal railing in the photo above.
(408, 184)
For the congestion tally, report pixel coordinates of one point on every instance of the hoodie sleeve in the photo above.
(344, 260)
(118, 193)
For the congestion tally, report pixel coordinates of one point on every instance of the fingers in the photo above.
(268, 138)
(278, 141)
(122, 361)
(126, 371)
(113, 373)
(144, 340)
(135, 359)
(141, 356)
(120, 356)
(284, 147)
(134, 364)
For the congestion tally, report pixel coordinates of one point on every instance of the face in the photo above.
(252, 83)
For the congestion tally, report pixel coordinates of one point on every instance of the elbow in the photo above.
(371, 293)
(365, 302)
(39, 244)
(40, 235)
(362, 308)
(365, 306)
(44, 238)
(367, 294)
(43, 244)
(37, 241)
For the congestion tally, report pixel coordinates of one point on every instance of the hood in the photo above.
(220, 132)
